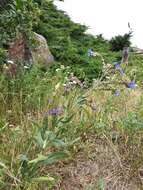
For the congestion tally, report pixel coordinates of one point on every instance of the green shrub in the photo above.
(19, 18)
(69, 42)
(117, 43)
(2, 57)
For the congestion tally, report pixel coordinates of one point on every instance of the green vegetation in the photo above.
(18, 19)
(69, 42)
(42, 123)
(117, 43)
(57, 130)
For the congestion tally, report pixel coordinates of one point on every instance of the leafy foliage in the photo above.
(2, 57)
(32, 137)
(4, 4)
(18, 19)
(119, 42)
(41, 123)
(69, 42)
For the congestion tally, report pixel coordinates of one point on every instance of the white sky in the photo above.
(109, 17)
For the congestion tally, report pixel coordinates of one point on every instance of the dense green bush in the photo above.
(117, 43)
(69, 42)
(19, 18)
(4, 4)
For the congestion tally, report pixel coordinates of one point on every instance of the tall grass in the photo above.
(41, 123)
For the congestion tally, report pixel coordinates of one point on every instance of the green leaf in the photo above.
(81, 100)
(39, 140)
(101, 184)
(23, 157)
(43, 179)
(55, 157)
(73, 142)
(3, 165)
(40, 158)
(67, 119)
(50, 159)
(58, 143)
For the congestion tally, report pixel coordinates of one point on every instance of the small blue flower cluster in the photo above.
(118, 67)
(132, 85)
(90, 53)
(53, 112)
(117, 92)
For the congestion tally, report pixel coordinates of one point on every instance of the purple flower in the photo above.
(117, 92)
(121, 71)
(131, 85)
(118, 68)
(53, 111)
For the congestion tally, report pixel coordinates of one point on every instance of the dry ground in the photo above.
(99, 166)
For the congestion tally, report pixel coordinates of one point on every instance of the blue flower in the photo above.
(118, 68)
(53, 111)
(117, 92)
(131, 85)
(90, 53)
(121, 71)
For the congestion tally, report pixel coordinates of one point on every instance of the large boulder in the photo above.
(18, 50)
(40, 52)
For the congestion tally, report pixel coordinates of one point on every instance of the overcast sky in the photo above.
(109, 17)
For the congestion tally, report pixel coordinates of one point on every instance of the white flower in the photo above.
(10, 62)
(107, 77)
(74, 82)
(70, 83)
(26, 67)
(58, 70)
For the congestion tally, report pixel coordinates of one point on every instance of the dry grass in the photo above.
(100, 159)
(108, 156)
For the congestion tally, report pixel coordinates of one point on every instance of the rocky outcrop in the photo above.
(18, 50)
(40, 52)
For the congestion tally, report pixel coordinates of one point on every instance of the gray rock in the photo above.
(40, 52)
